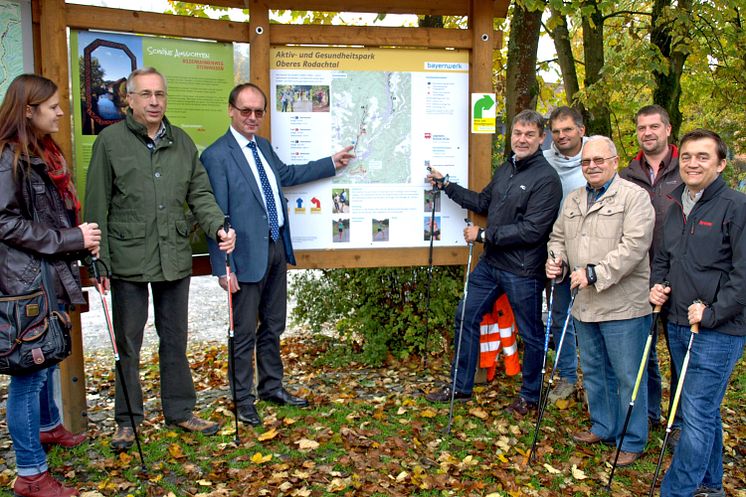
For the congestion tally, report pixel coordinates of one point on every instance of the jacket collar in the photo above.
(667, 164)
(712, 190)
(528, 161)
(140, 130)
(581, 197)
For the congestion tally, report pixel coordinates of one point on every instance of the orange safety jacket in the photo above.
(499, 331)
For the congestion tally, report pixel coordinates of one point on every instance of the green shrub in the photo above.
(378, 311)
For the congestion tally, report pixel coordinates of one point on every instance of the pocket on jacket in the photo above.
(609, 221)
(126, 247)
(181, 245)
(572, 219)
(182, 228)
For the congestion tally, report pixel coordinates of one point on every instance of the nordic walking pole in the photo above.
(100, 288)
(542, 391)
(460, 334)
(435, 193)
(543, 405)
(231, 350)
(694, 330)
(649, 343)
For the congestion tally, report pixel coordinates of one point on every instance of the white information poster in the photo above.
(402, 111)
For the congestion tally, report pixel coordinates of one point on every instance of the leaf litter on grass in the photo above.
(368, 432)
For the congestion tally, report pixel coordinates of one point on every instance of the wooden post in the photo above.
(259, 40)
(480, 81)
(53, 63)
(72, 379)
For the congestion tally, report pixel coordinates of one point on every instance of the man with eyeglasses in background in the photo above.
(601, 238)
(655, 169)
(143, 171)
(247, 177)
(564, 156)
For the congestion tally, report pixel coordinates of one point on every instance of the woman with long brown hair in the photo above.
(39, 219)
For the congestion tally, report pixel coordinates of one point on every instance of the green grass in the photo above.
(376, 436)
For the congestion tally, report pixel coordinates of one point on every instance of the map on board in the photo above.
(11, 44)
(373, 111)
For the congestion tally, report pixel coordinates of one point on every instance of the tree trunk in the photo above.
(599, 121)
(561, 36)
(521, 87)
(667, 92)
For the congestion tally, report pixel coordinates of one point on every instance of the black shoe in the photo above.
(247, 414)
(673, 439)
(709, 492)
(656, 424)
(444, 395)
(521, 406)
(282, 397)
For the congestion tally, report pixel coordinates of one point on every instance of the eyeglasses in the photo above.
(147, 94)
(258, 113)
(596, 160)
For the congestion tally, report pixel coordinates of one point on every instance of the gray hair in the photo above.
(600, 138)
(528, 116)
(142, 72)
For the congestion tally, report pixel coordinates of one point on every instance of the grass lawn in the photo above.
(369, 432)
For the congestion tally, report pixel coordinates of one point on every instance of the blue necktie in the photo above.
(269, 198)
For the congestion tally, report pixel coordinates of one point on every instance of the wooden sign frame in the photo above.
(53, 18)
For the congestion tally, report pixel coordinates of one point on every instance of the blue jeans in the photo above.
(610, 355)
(698, 459)
(567, 364)
(486, 285)
(31, 408)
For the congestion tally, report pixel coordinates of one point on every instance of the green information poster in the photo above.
(199, 77)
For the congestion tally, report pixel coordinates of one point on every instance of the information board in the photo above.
(402, 111)
(199, 76)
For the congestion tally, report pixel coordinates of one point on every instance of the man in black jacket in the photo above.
(703, 256)
(521, 203)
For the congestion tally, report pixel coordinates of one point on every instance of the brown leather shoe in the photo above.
(587, 437)
(59, 435)
(625, 458)
(195, 424)
(123, 438)
(41, 485)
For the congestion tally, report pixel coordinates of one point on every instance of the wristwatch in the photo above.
(590, 274)
(480, 235)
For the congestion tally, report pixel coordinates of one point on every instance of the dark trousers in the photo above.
(486, 285)
(130, 313)
(265, 303)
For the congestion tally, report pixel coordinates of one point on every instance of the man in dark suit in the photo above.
(247, 177)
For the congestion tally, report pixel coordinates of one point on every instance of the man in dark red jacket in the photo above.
(656, 169)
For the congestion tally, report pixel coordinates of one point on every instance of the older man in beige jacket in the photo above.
(603, 233)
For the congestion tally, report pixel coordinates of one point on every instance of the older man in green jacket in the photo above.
(142, 173)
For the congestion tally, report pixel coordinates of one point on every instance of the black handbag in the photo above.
(34, 333)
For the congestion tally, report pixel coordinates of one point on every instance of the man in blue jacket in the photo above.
(247, 178)
(703, 256)
(521, 203)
